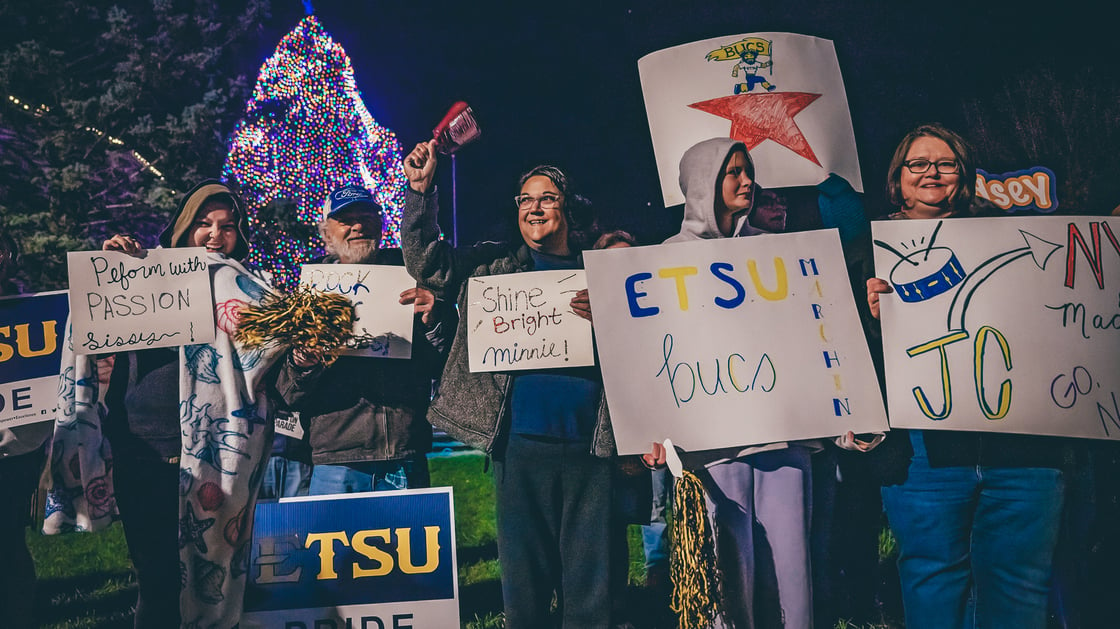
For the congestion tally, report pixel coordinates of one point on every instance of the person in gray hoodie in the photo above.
(758, 497)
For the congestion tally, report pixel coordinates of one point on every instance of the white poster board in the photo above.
(120, 303)
(383, 325)
(730, 342)
(1002, 324)
(525, 321)
(780, 93)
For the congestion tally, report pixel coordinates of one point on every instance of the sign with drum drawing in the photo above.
(1002, 324)
(730, 342)
(525, 321)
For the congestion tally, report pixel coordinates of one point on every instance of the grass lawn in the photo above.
(85, 580)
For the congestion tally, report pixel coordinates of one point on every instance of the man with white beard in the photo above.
(365, 416)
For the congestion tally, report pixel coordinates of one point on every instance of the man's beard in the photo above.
(354, 251)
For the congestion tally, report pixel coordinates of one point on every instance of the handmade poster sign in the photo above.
(119, 302)
(731, 342)
(31, 333)
(1002, 324)
(383, 327)
(377, 560)
(780, 93)
(525, 321)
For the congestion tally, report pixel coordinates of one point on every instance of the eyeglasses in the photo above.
(546, 201)
(945, 167)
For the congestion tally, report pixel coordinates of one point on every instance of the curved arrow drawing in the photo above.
(1040, 250)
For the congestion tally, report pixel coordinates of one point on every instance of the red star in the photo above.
(758, 117)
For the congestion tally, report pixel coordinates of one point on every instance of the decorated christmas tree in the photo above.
(305, 132)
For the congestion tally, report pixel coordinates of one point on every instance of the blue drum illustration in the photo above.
(926, 273)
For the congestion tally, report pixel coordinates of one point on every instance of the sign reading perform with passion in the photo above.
(1002, 325)
(383, 325)
(119, 303)
(31, 330)
(730, 342)
(377, 560)
(525, 321)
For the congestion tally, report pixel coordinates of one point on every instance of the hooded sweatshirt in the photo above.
(143, 398)
(701, 171)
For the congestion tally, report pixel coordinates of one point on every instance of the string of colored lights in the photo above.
(305, 132)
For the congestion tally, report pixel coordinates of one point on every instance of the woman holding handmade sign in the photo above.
(189, 436)
(976, 514)
(548, 430)
(764, 488)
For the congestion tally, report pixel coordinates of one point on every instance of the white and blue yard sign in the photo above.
(381, 560)
(30, 355)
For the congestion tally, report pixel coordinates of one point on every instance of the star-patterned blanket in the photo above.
(227, 436)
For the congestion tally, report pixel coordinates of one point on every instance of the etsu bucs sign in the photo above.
(382, 560)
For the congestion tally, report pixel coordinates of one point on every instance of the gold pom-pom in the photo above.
(692, 559)
(312, 320)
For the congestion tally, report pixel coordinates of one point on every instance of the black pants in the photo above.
(554, 533)
(148, 498)
(19, 476)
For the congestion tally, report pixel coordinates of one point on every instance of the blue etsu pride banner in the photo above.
(382, 560)
(31, 333)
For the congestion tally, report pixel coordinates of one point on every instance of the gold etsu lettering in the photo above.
(384, 556)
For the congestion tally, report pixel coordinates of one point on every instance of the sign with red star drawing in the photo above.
(781, 94)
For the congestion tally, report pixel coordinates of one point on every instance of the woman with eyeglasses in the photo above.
(547, 430)
(976, 514)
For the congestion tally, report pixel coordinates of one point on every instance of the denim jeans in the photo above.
(370, 476)
(976, 543)
(284, 478)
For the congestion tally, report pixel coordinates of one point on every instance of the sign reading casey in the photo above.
(525, 321)
(730, 342)
(383, 325)
(382, 559)
(31, 331)
(120, 303)
(1002, 324)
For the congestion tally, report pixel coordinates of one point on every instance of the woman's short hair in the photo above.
(583, 226)
(961, 149)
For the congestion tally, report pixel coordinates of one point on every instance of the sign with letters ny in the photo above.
(1002, 324)
(379, 560)
(31, 336)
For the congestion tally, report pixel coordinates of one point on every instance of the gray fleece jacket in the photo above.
(471, 407)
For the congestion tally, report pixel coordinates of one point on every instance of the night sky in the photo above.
(558, 82)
